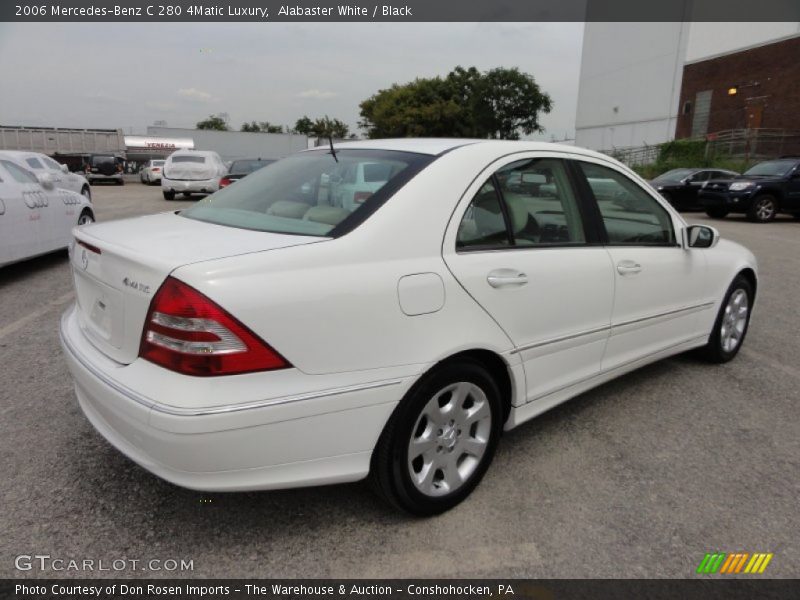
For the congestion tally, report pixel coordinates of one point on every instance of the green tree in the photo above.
(304, 126)
(261, 127)
(500, 103)
(322, 127)
(213, 122)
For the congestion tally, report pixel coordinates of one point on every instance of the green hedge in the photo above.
(679, 154)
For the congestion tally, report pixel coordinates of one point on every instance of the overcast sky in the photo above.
(112, 75)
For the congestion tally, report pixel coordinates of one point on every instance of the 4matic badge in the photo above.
(135, 285)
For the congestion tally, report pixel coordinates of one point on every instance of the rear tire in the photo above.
(764, 209)
(732, 322)
(717, 213)
(169, 195)
(440, 440)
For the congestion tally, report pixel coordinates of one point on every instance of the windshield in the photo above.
(674, 175)
(308, 193)
(248, 166)
(188, 159)
(772, 168)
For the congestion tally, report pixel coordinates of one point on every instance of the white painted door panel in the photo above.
(557, 315)
(657, 298)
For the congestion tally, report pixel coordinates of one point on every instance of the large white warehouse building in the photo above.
(631, 74)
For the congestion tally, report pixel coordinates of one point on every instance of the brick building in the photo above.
(754, 88)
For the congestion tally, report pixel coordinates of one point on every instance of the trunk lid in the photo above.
(118, 267)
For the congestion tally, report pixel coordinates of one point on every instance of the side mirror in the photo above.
(701, 236)
(47, 181)
(64, 169)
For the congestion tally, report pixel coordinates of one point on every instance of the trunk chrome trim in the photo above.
(613, 326)
(210, 410)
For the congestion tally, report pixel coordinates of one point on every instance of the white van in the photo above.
(190, 172)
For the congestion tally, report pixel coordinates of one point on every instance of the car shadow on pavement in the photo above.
(19, 271)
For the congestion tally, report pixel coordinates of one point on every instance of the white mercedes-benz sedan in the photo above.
(36, 217)
(281, 333)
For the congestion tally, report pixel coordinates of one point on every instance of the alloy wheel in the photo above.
(765, 209)
(449, 439)
(734, 320)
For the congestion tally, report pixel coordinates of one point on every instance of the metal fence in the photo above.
(753, 144)
(748, 145)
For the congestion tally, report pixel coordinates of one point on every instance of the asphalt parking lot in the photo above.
(638, 478)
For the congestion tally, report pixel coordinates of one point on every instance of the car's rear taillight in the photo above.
(156, 169)
(225, 182)
(360, 197)
(189, 333)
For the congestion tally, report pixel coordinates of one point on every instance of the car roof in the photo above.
(435, 146)
(20, 154)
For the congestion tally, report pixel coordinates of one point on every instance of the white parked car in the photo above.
(42, 165)
(269, 338)
(190, 172)
(35, 216)
(151, 172)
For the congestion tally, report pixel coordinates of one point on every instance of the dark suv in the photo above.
(761, 192)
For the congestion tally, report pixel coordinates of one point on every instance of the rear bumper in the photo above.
(289, 442)
(101, 177)
(196, 186)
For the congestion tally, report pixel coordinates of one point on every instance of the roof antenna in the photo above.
(330, 140)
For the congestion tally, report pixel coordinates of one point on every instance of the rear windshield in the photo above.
(158, 163)
(188, 159)
(308, 193)
(248, 166)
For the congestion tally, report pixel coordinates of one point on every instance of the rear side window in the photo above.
(189, 159)
(484, 224)
(630, 215)
(34, 163)
(535, 202)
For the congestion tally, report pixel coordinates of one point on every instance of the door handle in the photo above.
(628, 267)
(506, 277)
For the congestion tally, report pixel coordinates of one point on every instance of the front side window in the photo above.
(51, 164)
(630, 215)
(309, 194)
(18, 174)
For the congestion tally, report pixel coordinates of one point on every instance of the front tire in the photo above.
(717, 213)
(763, 210)
(732, 322)
(86, 218)
(440, 440)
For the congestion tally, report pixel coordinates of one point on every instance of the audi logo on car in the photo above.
(35, 199)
